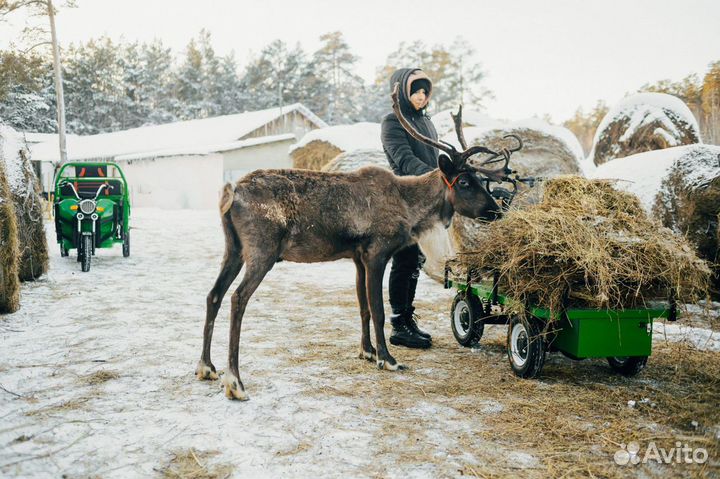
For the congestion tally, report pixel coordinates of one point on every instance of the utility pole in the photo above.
(58, 87)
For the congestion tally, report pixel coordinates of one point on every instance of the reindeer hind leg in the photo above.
(231, 266)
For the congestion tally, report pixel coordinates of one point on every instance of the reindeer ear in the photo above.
(447, 166)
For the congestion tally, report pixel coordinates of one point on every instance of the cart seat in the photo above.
(87, 189)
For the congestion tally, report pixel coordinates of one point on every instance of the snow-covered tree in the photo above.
(334, 62)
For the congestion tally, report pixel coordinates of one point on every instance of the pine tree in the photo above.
(189, 84)
(334, 62)
(94, 87)
(23, 105)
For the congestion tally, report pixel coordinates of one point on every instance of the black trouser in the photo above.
(404, 274)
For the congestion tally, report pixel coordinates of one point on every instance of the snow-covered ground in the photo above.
(315, 409)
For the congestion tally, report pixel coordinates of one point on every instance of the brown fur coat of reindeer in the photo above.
(307, 216)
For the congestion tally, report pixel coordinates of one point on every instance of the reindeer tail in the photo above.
(226, 198)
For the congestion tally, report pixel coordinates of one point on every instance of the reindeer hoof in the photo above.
(203, 371)
(383, 364)
(368, 355)
(234, 388)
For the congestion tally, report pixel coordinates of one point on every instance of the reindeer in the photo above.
(367, 215)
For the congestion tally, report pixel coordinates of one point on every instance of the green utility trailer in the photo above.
(92, 209)
(623, 337)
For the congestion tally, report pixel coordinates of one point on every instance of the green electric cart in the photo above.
(92, 209)
(623, 337)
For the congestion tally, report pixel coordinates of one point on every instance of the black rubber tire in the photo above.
(126, 245)
(527, 355)
(87, 248)
(63, 251)
(468, 327)
(628, 366)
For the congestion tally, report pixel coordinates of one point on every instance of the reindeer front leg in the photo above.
(375, 269)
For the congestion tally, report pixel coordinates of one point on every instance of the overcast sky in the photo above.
(540, 56)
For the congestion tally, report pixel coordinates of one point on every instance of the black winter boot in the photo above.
(412, 323)
(403, 335)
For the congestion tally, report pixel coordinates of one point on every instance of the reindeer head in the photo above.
(469, 186)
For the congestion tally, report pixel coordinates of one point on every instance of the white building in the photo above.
(184, 164)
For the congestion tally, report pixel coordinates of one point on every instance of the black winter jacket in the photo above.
(406, 155)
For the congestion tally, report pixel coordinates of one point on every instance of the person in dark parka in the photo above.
(407, 156)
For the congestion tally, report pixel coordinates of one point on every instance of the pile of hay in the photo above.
(587, 244)
(352, 160)
(548, 151)
(320, 146)
(680, 187)
(28, 203)
(9, 255)
(643, 122)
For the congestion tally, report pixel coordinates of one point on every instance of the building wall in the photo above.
(176, 182)
(238, 163)
(292, 122)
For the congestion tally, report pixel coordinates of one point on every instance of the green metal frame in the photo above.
(586, 333)
(106, 219)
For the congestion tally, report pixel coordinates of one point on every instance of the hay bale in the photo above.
(314, 155)
(25, 189)
(591, 243)
(9, 254)
(352, 160)
(680, 187)
(548, 151)
(445, 125)
(318, 147)
(643, 122)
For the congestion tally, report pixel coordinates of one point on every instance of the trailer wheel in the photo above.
(465, 321)
(627, 365)
(525, 347)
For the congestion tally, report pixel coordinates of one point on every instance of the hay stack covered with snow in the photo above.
(591, 243)
(352, 160)
(548, 151)
(681, 188)
(318, 147)
(9, 254)
(643, 122)
(25, 191)
(444, 123)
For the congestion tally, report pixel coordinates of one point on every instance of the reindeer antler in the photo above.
(458, 157)
(457, 119)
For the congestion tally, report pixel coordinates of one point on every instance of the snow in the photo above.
(643, 109)
(358, 136)
(643, 173)
(141, 317)
(180, 136)
(11, 144)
